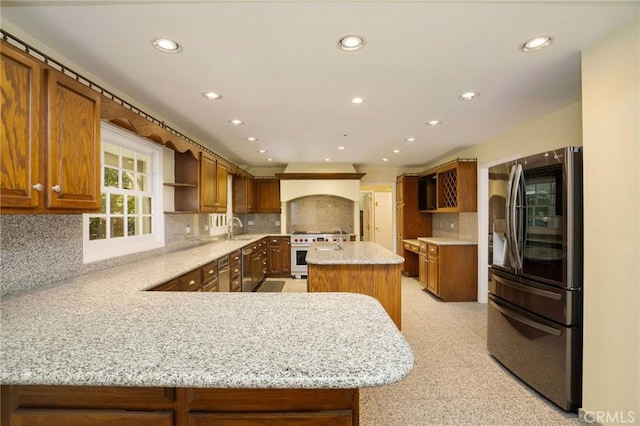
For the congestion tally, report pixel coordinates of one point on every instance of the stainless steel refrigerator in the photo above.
(536, 252)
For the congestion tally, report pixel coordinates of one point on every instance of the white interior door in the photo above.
(383, 219)
(366, 216)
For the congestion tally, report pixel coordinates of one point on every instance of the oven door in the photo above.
(299, 259)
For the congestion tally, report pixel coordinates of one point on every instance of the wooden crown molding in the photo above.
(313, 176)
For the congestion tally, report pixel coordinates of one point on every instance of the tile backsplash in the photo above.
(320, 213)
(459, 226)
(41, 249)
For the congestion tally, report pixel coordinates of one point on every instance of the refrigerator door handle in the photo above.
(510, 215)
(514, 217)
(527, 289)
(524, 320)
(520, 207)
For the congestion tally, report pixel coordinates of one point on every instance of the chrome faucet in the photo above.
(230, 226)
(339, 242)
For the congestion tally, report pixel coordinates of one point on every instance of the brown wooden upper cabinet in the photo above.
(64, 176)
(213, 185)
(244, 194)
(449, 188)
(207, 183)
(221, 184)
(268, 195)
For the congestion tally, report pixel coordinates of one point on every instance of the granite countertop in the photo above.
(102, 329)
(358, 252)
(445, 241)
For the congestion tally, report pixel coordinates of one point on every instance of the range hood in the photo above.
(301, 180)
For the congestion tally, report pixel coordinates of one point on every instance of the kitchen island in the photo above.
(98, 349)
(358, 267)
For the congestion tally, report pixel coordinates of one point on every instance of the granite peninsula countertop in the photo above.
(103, 329)
(357, 252)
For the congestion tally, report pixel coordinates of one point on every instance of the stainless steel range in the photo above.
(300, 242)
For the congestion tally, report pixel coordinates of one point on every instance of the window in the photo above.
(130, 218)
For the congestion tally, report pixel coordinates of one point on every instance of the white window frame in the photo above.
(94, 250)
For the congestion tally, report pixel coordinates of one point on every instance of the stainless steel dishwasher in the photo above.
(246, 267)
(224, 274)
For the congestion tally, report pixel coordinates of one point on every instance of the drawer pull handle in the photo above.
(211, 272)
(192, 282)
(56, 188)
(37, 187)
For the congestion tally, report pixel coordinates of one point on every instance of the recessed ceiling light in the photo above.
(252, 139)
(468, 96)
(212, 96)
(166, 45)
(395, 151)
(269, 159)
(410, 139)
(357, 100)
(327, 159)
(236, 122)
(351, 42)
(434, 122)
(341, 147)
(536, 44)
(262, 151)
(385, 159)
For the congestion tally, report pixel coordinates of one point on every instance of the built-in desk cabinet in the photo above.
(449, 271)
(50, 139)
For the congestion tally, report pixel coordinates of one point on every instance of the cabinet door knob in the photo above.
(56, 188)
(192, 282)
(37, 187)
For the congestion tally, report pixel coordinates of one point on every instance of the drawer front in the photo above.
(412, 247)
(211, 286)
(191, 281)
(423, 246)
(209, 272)
(234, 272)
(173, 285)
(235, 284)
(433, 249)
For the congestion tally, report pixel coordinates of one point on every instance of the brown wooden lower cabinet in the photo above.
(40, 417)
(381, 281)
(36, 405)
(325, 418)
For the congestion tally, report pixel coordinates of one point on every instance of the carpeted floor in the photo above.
(454, 380)
(271, 286)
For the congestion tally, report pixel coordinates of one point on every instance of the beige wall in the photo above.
(560, 128)
(611, 111)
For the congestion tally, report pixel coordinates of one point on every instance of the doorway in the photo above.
(366, 215)
(377, 209)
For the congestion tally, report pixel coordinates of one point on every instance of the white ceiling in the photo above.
(278, 68)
